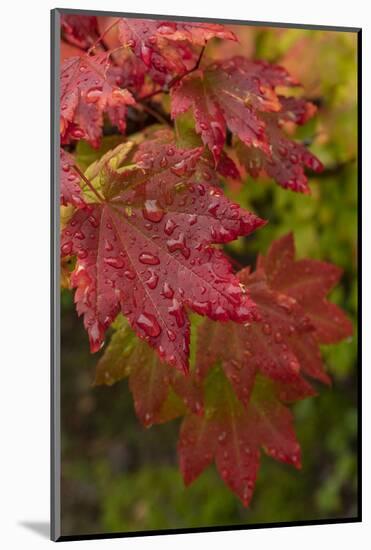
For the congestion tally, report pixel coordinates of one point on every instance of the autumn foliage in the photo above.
(144, 227)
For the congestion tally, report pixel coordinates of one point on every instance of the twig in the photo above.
(100, 38)
(88, 183)
(152, 94)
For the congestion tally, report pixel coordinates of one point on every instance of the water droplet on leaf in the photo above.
(117, 263)
(148, 258)
(152, 211)
(149, 324)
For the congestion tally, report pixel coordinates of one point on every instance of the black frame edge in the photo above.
(55, 432)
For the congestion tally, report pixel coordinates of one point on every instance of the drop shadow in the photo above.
(42, 528)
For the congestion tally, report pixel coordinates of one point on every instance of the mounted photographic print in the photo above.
(205, 233)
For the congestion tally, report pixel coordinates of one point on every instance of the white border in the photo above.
(24, 219)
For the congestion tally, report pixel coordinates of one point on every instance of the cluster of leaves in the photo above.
(144, 226)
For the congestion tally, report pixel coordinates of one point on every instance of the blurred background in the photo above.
(118, 476)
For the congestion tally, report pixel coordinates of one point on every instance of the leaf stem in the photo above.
(88, 183)
(100, 38)
(152, 94)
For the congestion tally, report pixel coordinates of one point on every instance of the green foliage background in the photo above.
(117, 476)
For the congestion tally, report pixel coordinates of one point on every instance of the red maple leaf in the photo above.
(233, 436)
(166, 46)
(129, 72)
(205, 168)
(264, 363)
(307, 282)
(70, 189)
(230, 93)
(196, 33)
(144, 249)
(286, 159)
(295, 318)
(227, 167)
(79, 30)
(281, 346)
(88, 90)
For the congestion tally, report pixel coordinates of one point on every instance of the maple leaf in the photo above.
(296, 109)
(230, 93)
(70, 189)
(196, 33)
(79, 30)
(233, 436)
(150, 380)
(186, 136)
(286, 159)
(307, 282)
(87, 91)
(227, 167)
(143, 248)
(129, 72)
(281, 346)
(263, 362)
(295, 318)
(166, 45)
(205, 170)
